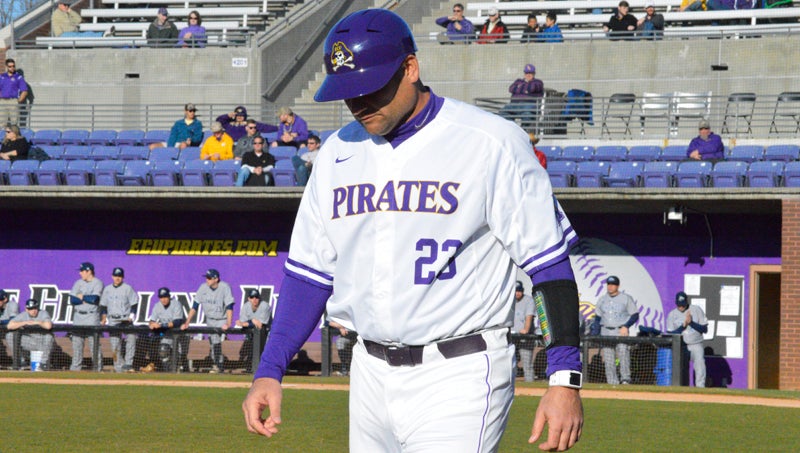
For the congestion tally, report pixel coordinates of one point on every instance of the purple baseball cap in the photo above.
(530, 69)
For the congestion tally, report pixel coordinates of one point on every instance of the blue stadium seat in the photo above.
(46, 137)
(27, 133)
(195, 172)
(561, 172)
(206, 135)
(591, 173)
(577, 153)
(224, 172)
(54, 151)
(79, 173)
(102, 137)
(155, 136)
(674, 153)
(610, 153)
(129, 152)
(106, 171)
(765, 173)
(51, 172)
(693, 173)
(77, 152)
(189, 153)
(5, 165)
(746, 153)
(164, 154)
(784, 153)
(659, 174)
(73, 137)
(323, 135)
(105, 152)
(21, 172)
(166, 172)
(133, 137)
(272, 136)
(284, 174)
(791, 174)
(283, 152)
(137, 173)
(625, 174)
(644, 153)
(729, 173)
(553, 152)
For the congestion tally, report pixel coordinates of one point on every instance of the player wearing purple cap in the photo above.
(416, 250)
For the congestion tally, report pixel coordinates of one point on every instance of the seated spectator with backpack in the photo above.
(15, 146)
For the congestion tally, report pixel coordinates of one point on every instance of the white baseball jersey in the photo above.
(676, 317)
(419, 242)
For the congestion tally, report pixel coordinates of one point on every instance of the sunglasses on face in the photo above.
(251, 127)
(457, 10)
(193, 17)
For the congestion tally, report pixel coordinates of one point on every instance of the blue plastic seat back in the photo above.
(561, 173)
(5, 165)
(46, 137)
(77, 152)
(729, 174)
(137, 173)
(765, 173)
(224, 172)
(576, 153)
(283, 152)
(102, 137)
(591, 173)
(105, 152)
(674, 153)
(610, 153)
(323, 135)
(73, 137)
(133, 137)
(130, 152)
(791, 174)
(21, 172)
(644, 153)
(659, 174)
(189, 153)
(164, 154)
(195, 172)
(51, 172)
(746, 153)
(165, 172)
(106, 171)
(284, 173)
(553, 152)
(79, 173)
(155, 136)
(625, 174)
(786, 153)
(693, 173)
(54, 151)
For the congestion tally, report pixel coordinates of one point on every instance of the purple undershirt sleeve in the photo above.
(299, 311)
(559, 357)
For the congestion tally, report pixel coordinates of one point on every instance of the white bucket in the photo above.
(36, 360)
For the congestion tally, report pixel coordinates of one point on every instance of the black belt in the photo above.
(119, 316)
(412, 355)
(85, 312)
(611, 328)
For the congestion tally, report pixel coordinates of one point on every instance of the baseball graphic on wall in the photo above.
(593, 260)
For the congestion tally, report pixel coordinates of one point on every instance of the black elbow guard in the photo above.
(557, 308)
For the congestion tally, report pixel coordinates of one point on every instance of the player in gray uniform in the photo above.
(523, 324)
(690, 321)
(166, 315)
(118, 308)
(615, 313)
(85, 301)
(217, 300)
(34, 341)
(255, 314)
(7, 313)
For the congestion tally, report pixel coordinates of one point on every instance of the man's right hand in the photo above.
(265, 393)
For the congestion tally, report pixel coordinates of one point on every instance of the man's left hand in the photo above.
(561, 409)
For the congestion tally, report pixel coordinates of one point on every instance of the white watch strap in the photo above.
(567, 378)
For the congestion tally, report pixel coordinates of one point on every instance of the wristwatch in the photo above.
(567, 378)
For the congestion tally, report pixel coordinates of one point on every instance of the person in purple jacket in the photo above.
(193, 35)
(459, 28)
(525, 96)
(235, 124)
(707, 145)
(292, 130)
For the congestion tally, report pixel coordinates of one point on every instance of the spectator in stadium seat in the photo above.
(707, 145)
(651, 26)
(64, 23)
(13, 91)
(304, 163)
(235, 123)
(257, 166)
(526, 94)
(292, 130)
(621, 24)
(15, 146)
(185, 132)
(194, 35)
(162, 32)
(542, 157)
(219, 146)
(693, 5)
(459, 29)
(494, 30)
(551, 32)
(245, 143)
(531, 31)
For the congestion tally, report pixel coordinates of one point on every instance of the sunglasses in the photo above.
(193, 17)
(457, 10)
(704, 128)
(258, 143)
(250, 127)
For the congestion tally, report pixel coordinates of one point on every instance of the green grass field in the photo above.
(130, 418)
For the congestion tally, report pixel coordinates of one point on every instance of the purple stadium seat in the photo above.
(79, 173)
(129, 138)
(106, 171)
(766, 173)
(729, 173)
(137, 173)
(591, 173)
(195, 172)
(224, 172)
(561, 172)
(284, 174)
(625, 174)
(46, 137)
(73, 137)
(102, 137)
(659, 174)
(77, 152)
(50, 172)
(694, 173)
(21, 172)
(644, 153)
(610, 153)
(166, 172)
(104, 152)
